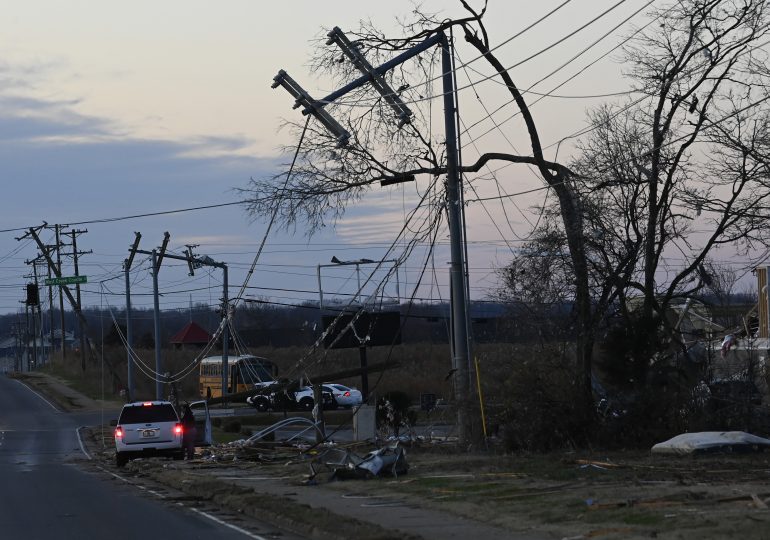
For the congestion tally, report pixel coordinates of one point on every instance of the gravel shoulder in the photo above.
(60, 394)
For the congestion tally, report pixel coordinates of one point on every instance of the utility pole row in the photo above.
(61, 281)
(158, 255)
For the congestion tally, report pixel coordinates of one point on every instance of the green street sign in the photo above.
(66, 280)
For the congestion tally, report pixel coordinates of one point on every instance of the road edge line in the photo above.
(80, 442)
(201, 512)
(226, 524)
(28, 387)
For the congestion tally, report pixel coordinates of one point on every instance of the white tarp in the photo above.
(689, 443)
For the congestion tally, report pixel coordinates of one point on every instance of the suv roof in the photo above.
(143, 412)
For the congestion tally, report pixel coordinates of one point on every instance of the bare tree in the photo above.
(325, 179)
(691, 149)
(680, 170)
(683, 171)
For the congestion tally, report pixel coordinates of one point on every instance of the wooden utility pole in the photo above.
(35, 310)
(75, 253)
(33, 300)
(50, 316)
(157, 261)
(129, 328)
(57, 228)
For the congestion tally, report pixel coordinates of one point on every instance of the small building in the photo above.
(192, 335)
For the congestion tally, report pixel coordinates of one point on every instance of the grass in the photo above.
(424, 368)
(85, 382)
(644, 519)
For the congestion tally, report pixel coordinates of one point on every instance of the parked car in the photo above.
(147, 428)
(345, 396)
(305, 400)
(287, 399)
(261, 402)
(341, 396)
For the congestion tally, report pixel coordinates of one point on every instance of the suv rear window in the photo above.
(146, 414)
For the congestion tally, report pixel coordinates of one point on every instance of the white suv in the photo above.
(148, 428)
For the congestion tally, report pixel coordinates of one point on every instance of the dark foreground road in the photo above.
(47, 493)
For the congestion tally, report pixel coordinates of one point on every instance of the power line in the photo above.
(485, 78)
(575, 75)
(137, 216)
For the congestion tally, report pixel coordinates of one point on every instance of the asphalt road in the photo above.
(49, 491)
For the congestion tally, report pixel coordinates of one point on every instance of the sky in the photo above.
(110, 110)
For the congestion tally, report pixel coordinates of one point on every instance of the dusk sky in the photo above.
(111, 110)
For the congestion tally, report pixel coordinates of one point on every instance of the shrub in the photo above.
(393, 412)
(540, 410)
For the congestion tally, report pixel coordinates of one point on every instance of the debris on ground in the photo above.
(344, 463)
(712, 441)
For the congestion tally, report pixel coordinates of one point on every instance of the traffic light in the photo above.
(33, 295)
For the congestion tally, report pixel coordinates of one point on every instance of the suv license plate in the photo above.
(147, 433)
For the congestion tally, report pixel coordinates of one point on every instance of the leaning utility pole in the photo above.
(32, 231)
(129, 331)
(35, 312)
(50, 316)
(83, 340)
(374, 76)
(57, 228)
(157, 260)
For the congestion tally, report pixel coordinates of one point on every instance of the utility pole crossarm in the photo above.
(196, 260)
(433, 40)
(375, 78)
(191, 264)
(311, 106)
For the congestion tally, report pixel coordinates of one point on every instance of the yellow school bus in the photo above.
(245, 372)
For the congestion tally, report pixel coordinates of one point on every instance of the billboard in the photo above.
(382, 328)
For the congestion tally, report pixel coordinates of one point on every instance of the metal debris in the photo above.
(343, 463)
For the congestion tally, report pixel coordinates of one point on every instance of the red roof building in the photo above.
(191, 334)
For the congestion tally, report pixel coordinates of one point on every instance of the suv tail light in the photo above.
(118, 432)
(178, 429)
